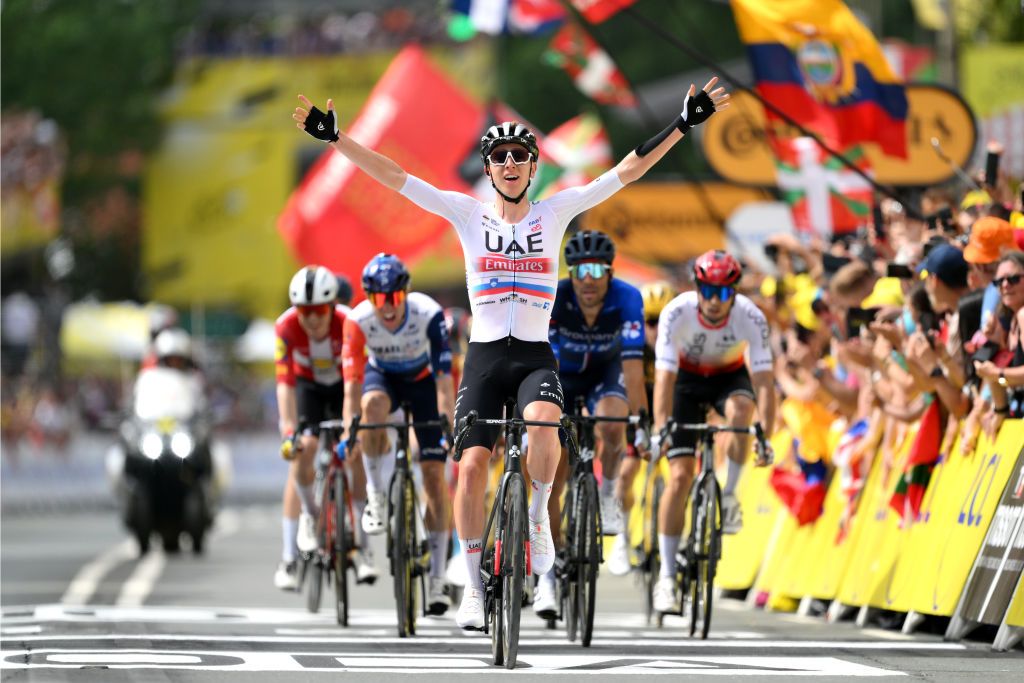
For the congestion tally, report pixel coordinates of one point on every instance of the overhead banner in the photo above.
(669, 222)
(735, 140)
(340, 217)
(998, 567)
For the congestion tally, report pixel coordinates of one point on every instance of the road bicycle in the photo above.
(335, 523)
(698, 560)
(648, 565)
(506, 561)
(578, 563)
(406, 535)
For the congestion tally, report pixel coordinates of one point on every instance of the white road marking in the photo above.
(574, 664)
(140, 584)
(482, 640)
(19, 630)
(88, 578)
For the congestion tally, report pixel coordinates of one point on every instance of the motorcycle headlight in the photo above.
(152, 446)
(182, 444)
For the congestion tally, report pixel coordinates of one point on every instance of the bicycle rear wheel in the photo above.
(342, 544)
(705, 540)
(652, 563)
(513, 570)
(587, 556)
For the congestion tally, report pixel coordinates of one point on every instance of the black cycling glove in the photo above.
(696, 110)
(322, 126)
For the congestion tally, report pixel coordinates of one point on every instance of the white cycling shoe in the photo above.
(456, 571)
(618, 560)
(286, 577)
(545, 603)
(542, 546)
(305, 539)
(375, 514)
(471, 612)
(438, 601)
(666, 599)
(611, 516)
(366, 571)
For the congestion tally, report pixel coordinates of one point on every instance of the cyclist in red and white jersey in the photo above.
(706, 339)
(309, 390)
(396, 351)
(512, 248)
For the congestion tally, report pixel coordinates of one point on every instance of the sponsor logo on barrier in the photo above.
(974, 501)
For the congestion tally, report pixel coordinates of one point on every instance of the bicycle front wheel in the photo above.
(513, 567)
(652, 559)
(401, 535)
(587, 556)
(705, 541)
(342, 544)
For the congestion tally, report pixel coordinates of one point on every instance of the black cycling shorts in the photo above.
(497, 370)
(694, 394)
(317, 402)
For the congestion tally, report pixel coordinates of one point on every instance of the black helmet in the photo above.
(508, 132)
(344, 289)
(588, 245)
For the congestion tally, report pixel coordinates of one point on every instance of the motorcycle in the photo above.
(167, 484)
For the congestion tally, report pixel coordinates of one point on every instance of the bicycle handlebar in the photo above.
(755, 430)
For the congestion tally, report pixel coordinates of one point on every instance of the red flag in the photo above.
(924, 454)
(596, 11)
(590, 67)
(339, 217)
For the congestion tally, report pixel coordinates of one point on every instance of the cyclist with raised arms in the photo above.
(597, 334)
(511, 249)
(396, 351)
(309, 390)
(703, 337)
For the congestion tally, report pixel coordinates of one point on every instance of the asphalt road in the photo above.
(77, 604)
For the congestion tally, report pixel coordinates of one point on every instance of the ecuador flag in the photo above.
(817, 63)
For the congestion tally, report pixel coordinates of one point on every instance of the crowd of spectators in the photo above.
(913, 320)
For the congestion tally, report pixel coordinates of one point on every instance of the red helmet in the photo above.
(716, 267)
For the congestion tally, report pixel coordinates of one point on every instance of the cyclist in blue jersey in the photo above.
(597, 334)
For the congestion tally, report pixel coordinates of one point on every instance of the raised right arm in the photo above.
(376, 165)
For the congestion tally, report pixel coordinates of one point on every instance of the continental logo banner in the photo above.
(735, 146)
(669, 222)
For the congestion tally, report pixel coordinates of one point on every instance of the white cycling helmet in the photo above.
(173, 342)
(313, 285)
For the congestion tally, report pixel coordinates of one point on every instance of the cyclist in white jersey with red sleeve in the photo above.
(512, 249)
(706, 339)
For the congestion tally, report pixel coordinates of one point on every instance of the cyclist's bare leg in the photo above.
(624, 485)
(376, 407)
(555, 501)
(303, 473)
(739, 412)
(544, 447)
(469, 510)
(672, 513)
(436, 489)
(612, 435)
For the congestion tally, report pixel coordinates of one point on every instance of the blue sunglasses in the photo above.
(723, 292)
(594, 270)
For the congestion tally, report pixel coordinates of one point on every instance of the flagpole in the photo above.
(736, 83)
(646, 113)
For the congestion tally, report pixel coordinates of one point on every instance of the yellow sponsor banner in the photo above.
(1015, 613)
(987, 72)
(878, 542)
(735, 146)
(743, 553)
(920, 538)
(669, 222)
(965, 512)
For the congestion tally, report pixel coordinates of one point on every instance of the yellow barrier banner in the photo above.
(966, 511)
(1015, 613)
(743, 553)
(921, 536)
(876, 548)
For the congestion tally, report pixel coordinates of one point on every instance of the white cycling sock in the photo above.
(289, 530)
(733, 477)
(379, 469)
(548, 578)
(607, 487)
(539, 500)
(668, 545)
(472, 551)
(437, 541)
(306, 498)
